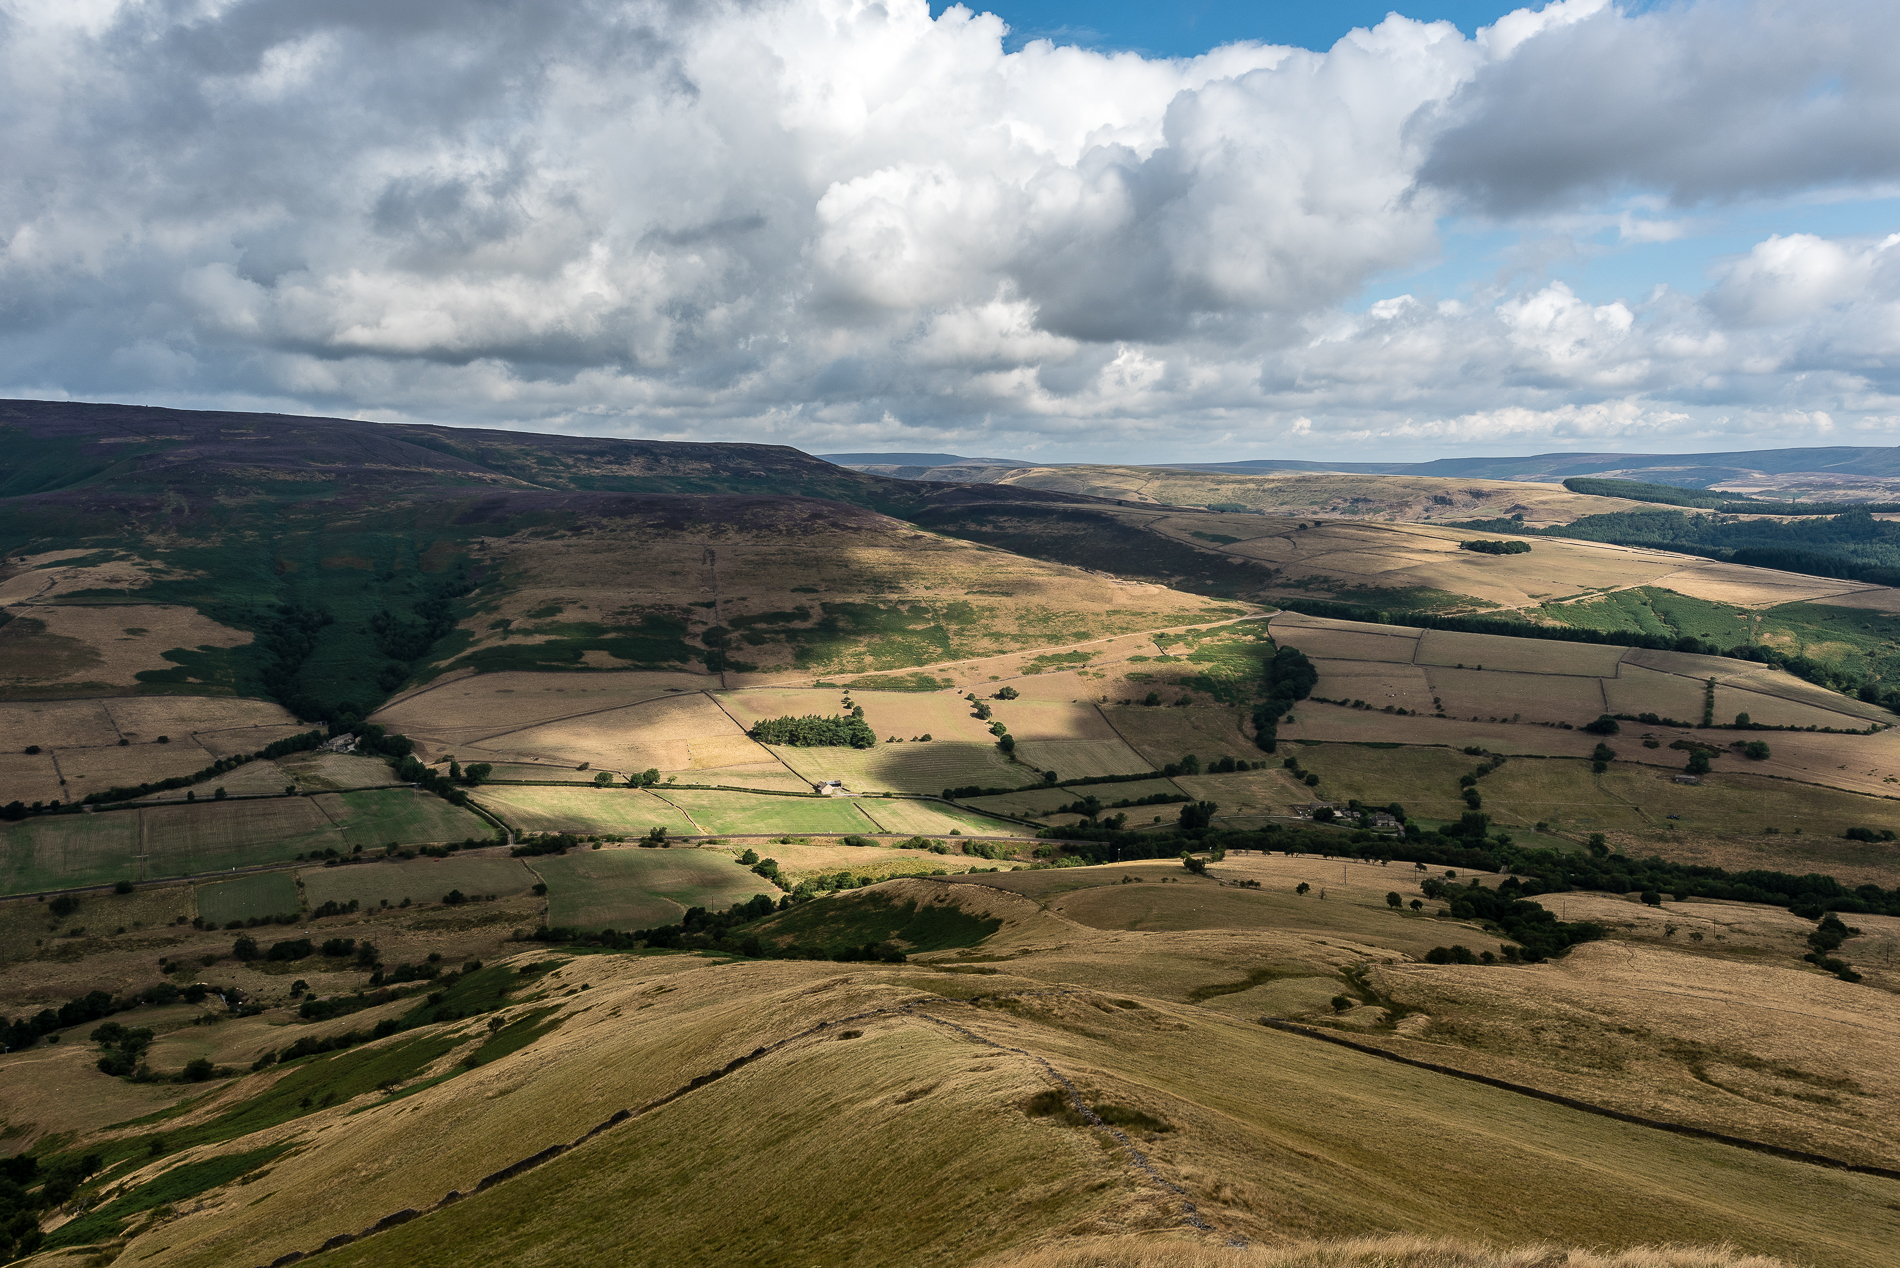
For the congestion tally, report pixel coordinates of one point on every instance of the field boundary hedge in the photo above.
(276, 748)
(1799, 666)
(654, 788)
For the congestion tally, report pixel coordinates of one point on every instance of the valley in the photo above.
(430, 845)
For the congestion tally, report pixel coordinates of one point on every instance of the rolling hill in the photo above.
(1263, 884)
(1072, 1063)
(1783, 472)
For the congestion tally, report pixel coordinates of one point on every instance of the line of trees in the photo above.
(17, 1033)
(1289, 677)
(276, 748)
(1715, 500)
(1829, 676)
(1470, 844)
(1834, 540)
(701, 929)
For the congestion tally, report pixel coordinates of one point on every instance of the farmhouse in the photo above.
(1312, 808)
(829, 787)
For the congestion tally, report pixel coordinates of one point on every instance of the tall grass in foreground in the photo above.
(1377, 1252)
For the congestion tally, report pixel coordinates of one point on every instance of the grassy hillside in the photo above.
(417, 1045)
(924, 1110)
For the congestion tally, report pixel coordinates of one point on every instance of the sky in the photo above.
(1104, 232)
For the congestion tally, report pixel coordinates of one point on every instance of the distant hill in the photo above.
(1692, 471)
(324, 562)
(914, 460)
(1803, 472)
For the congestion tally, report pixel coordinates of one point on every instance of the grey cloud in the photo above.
(1718, 100)
(837, 222)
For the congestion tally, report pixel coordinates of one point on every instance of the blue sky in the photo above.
(1476, 256)
(1188, 27)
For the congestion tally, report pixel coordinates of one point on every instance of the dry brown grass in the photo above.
(460, 707)
(68, 649)
(328, 771)
(90, 770)
(58, 723)
(1164, 735)
(1053, 720)
(1243, 797)
(1372, 1252)
(1341, 557)
(147, 717)
(1519, 655)
(901, 1141)
(931, 818)
(1850, 862)
(1347, 640)
(1736, 1035)
(943, 715)
(45, 577)
(82, 741)
(1547, 682)
(1755, 679)
(673, 733)
(1077, 759)
(1752, 587)
(621, 811)
(29, 778)
(1398, 497)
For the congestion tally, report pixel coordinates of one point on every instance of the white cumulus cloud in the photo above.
(843, 224)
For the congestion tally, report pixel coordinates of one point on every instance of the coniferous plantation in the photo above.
(812, 731)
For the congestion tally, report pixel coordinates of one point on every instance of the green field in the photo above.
(1855, 639)
(637, 888)
(723, 812)
(1728, 801)
(402, 816)
(1423, 780)
(261, 894)
(67, 850)
(931, 818)
(418, 880)
(97, 849)
(582, 809)
(208, 836)
(1629, 797)
(217, 836)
